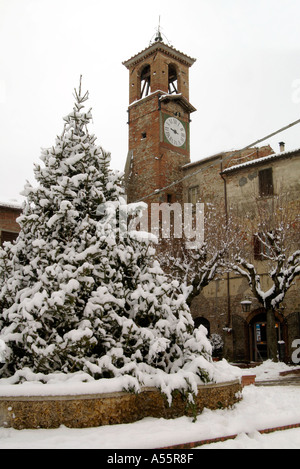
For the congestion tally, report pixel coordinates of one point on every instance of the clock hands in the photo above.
(174, 131)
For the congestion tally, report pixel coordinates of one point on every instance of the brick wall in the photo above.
(8, 224)
(153, 163)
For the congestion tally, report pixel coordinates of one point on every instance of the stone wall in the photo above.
(220, 301)
(108, 409)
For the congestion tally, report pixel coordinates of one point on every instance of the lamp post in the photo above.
(246, 305)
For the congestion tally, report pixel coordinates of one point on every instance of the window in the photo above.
(265, 182)
(261, 247)
(198, 321)
(193, 195)
(169, 198)
(8, 236)
(145, 81)
(173, 83)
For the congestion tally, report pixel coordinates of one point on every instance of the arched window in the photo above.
(145, 81)
(173, 81)
(200, 320)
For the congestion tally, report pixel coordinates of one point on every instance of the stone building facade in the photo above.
(234, 182)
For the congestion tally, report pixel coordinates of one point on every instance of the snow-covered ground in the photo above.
(261, 407)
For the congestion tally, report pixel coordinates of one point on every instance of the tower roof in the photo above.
(159, 46)
(181, 99)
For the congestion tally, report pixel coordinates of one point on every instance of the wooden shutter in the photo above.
(265, 182)
(193, 195)
(257, 248)
(8, 236)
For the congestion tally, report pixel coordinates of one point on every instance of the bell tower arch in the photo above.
(173, 79)
(145, 81)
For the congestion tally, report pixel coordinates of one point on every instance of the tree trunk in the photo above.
(271, 336)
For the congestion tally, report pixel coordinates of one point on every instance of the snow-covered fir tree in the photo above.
(81, 292)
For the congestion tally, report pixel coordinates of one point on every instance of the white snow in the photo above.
(2, 351)
(260, 160)
(261, 408)
(11, 202)
(39, 384)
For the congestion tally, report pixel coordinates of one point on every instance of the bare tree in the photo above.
(276, 247)
(197, 266)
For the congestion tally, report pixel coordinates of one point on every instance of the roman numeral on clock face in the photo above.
(174, 131)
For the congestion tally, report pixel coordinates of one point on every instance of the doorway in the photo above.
(258, 337)
(204, 322)
(260, 341)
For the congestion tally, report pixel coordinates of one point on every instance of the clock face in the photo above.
(174, 131)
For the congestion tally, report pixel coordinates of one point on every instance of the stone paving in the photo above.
(284, 381)
(286, 378)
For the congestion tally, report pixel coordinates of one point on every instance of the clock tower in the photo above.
(159, 122)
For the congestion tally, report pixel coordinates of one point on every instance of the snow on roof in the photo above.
(10, 203)
(145, 97)
(179, 97)
(283, 154)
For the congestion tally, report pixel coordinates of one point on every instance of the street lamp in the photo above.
(246, 305)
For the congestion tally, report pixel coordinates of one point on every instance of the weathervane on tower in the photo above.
(158, 36)
(158, 33)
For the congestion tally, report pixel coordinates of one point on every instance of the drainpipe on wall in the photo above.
(226, 216)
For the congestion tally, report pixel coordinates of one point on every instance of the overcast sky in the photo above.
(245, 83)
